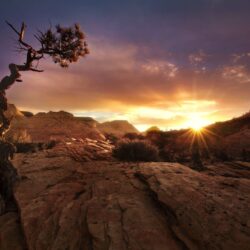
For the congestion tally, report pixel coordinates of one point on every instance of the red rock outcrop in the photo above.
(117, 127)
(83, 149)
(107, 205)
(44, 127)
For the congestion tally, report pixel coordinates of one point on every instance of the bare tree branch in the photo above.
(64, 45)
(12, 27)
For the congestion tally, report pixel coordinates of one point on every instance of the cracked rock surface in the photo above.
(107, 205)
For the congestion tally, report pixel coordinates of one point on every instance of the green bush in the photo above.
(135, 150)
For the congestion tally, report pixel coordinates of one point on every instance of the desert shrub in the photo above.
(111, 137)
(27, 147)
(222, 155)
(157, 138)
(245, 155)
(135, 150)
(167, 154)
(133, 136)
(27, 113)
(51, 144)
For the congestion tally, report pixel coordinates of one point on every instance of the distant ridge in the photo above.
(232, 126)
(232, 135)
(60, 125)
(50, 126)
(117, 127)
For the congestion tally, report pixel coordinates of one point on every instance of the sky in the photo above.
(167, 63)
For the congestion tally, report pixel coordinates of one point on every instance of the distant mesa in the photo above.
(52, 114)
(61, 125)
(43, 127)
(233, 135)
(117, 127)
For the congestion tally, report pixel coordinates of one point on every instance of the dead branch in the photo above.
(65, 45)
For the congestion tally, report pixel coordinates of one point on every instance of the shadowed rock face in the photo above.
(13, 112)
(11, 235)
(107, 205)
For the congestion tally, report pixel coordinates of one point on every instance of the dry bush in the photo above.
(135, 150)
(134, 136)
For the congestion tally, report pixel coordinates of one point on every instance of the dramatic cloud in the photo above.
(198, 61)
(163, 62)
(240, 57)
(238, 73)
(116, 82)
(160, 67)
(197, 58)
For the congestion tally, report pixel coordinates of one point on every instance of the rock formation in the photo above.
(61, 125)
(117, 127)
(83, 150)
(109, 205)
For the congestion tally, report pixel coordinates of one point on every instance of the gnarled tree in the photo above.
(64, 46)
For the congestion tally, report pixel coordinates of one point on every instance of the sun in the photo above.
(197, 127)
(196, 122)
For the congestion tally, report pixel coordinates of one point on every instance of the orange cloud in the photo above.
(119, 81)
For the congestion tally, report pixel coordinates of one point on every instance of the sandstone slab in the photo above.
(66, 204)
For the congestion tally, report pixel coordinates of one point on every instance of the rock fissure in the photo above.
(89, 237)
(124, 232)
(170, 216)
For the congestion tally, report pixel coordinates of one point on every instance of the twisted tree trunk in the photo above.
(8, 174)
(65, 46)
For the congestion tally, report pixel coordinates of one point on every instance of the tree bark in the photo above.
(8, 174)
(69, 50)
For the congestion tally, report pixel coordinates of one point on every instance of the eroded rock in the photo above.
(106, 205)
(11, 236)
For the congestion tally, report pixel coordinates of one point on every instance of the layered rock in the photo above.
(66, 204)
(83, 149)
(44, 127)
